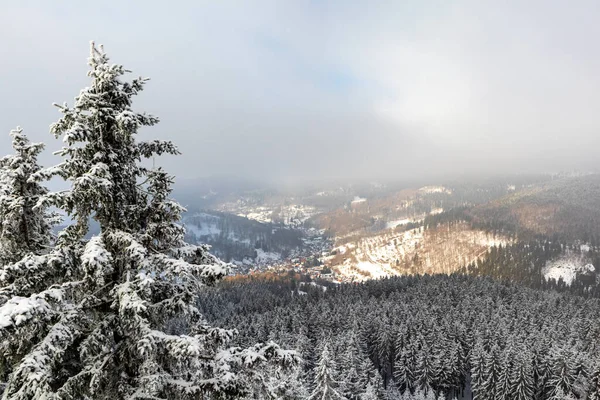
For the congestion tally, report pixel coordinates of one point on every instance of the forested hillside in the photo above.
(234, 238)
(567, 208)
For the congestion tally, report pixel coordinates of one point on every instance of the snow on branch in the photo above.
(18, 310)
(35, 373)
(157, 147)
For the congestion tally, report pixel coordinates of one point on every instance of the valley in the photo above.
(359, 232)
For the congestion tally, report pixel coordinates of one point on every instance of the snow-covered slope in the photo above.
(293, 215)
(235, 238)
(439, 250)
(435, 189)
(405, 221)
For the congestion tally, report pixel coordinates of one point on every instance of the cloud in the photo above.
(317, 89)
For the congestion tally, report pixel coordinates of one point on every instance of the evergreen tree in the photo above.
(541, 371)
(349, 368)
(504, 382)
(522, 380)
(594, 388)
(26, 228)
(404, 370)
(160, 228)
(581, 375)
(419, 395)
(478, 371)
(562, 379)
(495, 324)
(384, 345)
(455, 368)
(278, 383)
(392, 392)
(325, 385)
(350, 385)
(368, 376)
(427, 365)
(495, 376)
(559, 394)
(98, 328)
(370, 393)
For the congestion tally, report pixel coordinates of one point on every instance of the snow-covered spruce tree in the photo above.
(522, 380)
(325, 385)
(25, 228)
(420, 395)
(425, 374)
(96, 327)
(478, 371)
(404, 370)
(562, 379)
(594, 388)
(25, 233)
(276, 383)
(370, 393)
(348, 374)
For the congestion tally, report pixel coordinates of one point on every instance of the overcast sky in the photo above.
(321, 89)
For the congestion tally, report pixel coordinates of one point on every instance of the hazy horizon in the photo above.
(323, 90)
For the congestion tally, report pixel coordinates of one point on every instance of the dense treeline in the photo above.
(524, 263)
(463, 214)
(473, 192)
(523, 260)
(446, 336)
(566, 209)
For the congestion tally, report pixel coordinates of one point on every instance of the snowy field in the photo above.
(567, 267)
(435, 189)
(292, 215)
(358, 200)
(404, 221)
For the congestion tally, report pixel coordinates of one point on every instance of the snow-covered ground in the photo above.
(266, 257)
(404, 221)
(435, 189)
(208, 227)
(441, 250)
(295, 214)
(260, 214)
(398, 222)
(567, 267)
(373, 270)
(313, 284)
(290, 215)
